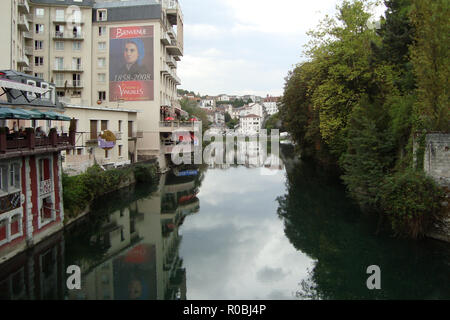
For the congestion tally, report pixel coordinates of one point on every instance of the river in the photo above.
(234, 232)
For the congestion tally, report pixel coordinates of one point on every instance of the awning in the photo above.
(51, 115)
(16, 113)
(9, 113)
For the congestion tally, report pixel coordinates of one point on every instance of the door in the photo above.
(94, 130)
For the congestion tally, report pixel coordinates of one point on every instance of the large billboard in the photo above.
(131, 66)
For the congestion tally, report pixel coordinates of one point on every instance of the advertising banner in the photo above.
(131, 66)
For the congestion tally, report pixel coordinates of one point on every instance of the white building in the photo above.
(208, 103)
(223, 97)
(250, 124)
(270, 104)
(253, 108)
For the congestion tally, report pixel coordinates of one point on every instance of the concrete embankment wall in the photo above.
(437, 165)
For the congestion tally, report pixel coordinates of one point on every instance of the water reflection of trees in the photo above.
(321, 222)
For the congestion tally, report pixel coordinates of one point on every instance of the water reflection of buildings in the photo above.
(38, 274)
(141, 241)
(251, 154)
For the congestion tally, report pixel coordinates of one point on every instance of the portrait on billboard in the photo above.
(131, 69)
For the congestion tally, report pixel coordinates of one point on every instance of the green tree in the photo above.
(193, 110)
(430, 58)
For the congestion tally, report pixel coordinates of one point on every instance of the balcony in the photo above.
(23, 61)
(175, 78)
(171, 33)
(12, 145)
(28, 35)
(171, 126)
(165, 39)
(165, 69)
(73, 68)
(68, 35)
(171, 61)
(46, 187)
(29, 51)
(23, 24)
(174, 49)
(69, 84)
(24, 7)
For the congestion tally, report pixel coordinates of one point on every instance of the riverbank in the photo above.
(79, 192)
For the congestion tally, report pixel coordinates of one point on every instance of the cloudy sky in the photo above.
(245, 46)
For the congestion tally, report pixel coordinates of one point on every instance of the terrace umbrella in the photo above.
(34, 114)
(48, 115)
(169, 119)
(9, 113)
(51, 115)
(193, 119)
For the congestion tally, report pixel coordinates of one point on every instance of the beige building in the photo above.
(90, 122)
(83, 47)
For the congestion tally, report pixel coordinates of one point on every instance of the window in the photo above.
(59, 31)
(79, 152)
(60, 15)
(38, 61)
(101, 31)
(102, 46)
(102, 77)
(39, 75)
(102, 95)
(59, 45)
(39, 28)
(93, 129)
(76, 46)
(120, 125)
(104, 125)
(102, 15)
(10, 177)
(101, 62)
(120, 151)
(106, 153)
(38, 44)
(60, 94)
(40, 12)
(59, 63)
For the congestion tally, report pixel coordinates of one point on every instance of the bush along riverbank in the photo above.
(81, 190)
(365, 100)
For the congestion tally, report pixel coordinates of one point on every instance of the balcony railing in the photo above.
(176, 125)
(23, 24)
(72, 68)
(29, 50)
(13, 144)
(46, 187)
(23, 6)
(68, 35)
(165, 39)
(24, 61)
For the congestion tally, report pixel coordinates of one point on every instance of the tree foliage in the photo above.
(363, 93)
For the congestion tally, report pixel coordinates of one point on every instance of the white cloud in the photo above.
(212, 73)
(202, 31)
(282, 16)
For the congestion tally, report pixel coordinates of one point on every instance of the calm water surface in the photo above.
(230, 233)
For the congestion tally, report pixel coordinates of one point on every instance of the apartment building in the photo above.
(16, 37)
(107, 54)
(250, 124)
(270, 105)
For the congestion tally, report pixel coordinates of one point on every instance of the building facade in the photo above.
(250, 124)
(31, 201)
(111, 54)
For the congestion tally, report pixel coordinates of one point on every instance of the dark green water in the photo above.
(234, 233)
